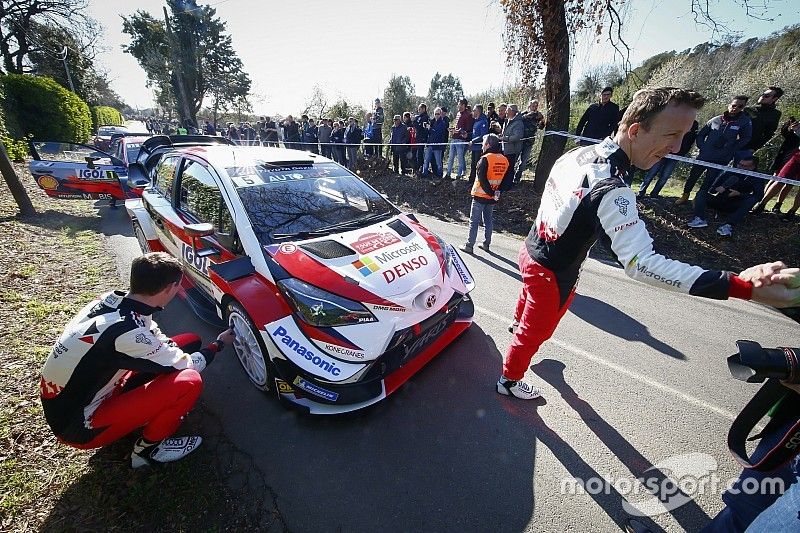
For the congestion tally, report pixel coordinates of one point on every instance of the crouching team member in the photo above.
(113, 371)
(586, 198)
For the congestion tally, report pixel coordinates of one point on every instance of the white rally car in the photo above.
(336, 296)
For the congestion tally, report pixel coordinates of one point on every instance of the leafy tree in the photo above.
(187, 57)
(20, 19)
(397, 99)
(445, 91)
(342, 109)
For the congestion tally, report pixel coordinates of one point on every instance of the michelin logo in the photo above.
(307, 386)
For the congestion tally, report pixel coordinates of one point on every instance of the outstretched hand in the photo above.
(226, 336)
(774, 284)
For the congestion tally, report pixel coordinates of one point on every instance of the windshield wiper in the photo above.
(356, 222)
(301, 234)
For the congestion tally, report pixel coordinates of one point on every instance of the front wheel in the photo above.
(139, 233)
(249, 347)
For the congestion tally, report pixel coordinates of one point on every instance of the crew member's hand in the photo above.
(787, 276)
(226, 336)
(776, 295)
(760, 275)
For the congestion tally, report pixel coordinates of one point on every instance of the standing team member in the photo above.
(492, 168)
(112, 371)
(599, 119)
(586, 198)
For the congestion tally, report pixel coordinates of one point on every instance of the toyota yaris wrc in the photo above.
(336, 297)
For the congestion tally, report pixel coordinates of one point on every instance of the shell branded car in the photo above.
(335, 295)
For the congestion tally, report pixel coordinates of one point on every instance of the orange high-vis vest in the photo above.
(497, 165)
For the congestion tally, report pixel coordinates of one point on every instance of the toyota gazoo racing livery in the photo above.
(335, 296)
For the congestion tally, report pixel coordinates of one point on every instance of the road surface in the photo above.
(633, 377)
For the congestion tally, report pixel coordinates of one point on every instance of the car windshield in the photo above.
(109, 130)
(132, 149)
(287, 203)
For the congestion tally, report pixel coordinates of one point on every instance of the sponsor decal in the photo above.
(387, 257)
(59, 349)
(650, 274)
(283, 387)
(324, 364)
(462, 273)
(96, 174)
(307, 386)
(48, 182)
(71, 196)
(430, 301)
(287, 248)
(369, 242)
(341, 351)
(406, 267)
(427, 337)
(392, 308)
(622, 204)
(198, 263)
(365, 266)
(141, 338)
(628, 225)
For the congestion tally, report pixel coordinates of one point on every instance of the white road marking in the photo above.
(618, 368)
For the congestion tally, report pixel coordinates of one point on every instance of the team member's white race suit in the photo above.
(586, 199)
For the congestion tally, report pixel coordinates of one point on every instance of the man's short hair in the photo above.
(514, 108)
(607, 90)
(777, 90)
(423, 104)
(647, 103)
(463, 101)
(491, 105)
(492, 141)
(152, 273)
(479, 107)
(741, 97)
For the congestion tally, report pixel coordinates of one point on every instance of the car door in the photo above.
(200, 199)
(78, 171)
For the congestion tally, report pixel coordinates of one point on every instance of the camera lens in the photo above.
(755, 364)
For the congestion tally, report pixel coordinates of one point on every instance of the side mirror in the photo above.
(90, 161)
(198, 231)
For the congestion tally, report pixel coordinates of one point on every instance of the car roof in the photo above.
(238, 156)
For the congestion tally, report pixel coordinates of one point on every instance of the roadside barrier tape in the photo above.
(691, 161)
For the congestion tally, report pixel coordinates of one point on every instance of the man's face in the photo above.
(461, 107)
(502, 111)
(491, 110)
(768, 97)
(511, 113)
(476, 113)
(747, 164)
(533, 107)
(422, 109)
(735, 107)
(605, 97)
(664, 135)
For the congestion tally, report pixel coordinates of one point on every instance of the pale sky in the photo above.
(352, 48)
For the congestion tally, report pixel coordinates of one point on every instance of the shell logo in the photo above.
(48, 182)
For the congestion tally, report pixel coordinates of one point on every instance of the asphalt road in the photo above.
(633, 377)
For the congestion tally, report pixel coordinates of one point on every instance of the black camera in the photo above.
(755, 364)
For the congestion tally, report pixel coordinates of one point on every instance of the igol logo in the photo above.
(328, 366)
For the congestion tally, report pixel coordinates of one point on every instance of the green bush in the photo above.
(16, 149)
(105, 115)
(38, 106)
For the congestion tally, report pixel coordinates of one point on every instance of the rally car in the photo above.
(335, 295)
(79, 171)
(102, 139)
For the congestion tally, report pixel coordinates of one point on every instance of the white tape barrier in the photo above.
(689, 160)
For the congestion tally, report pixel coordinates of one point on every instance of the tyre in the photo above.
(139, 233)
(249, 347)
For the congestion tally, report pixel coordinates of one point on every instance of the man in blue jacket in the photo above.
(718, 140)
(479, 128)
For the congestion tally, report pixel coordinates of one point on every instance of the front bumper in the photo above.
(409, 350)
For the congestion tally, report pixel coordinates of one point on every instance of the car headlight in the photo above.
(321, 308)
(448, 257)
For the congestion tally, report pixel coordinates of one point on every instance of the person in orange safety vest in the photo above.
(491, 169)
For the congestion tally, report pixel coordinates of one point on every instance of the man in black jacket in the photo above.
(765, 118)
(600, 119)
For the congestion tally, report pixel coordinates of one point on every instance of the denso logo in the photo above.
(628, 225)
(398, 271)
(323, 364)
(387, 257)
(650, 274)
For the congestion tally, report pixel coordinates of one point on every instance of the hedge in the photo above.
(16, 149)
(39, 106)
(105, 115)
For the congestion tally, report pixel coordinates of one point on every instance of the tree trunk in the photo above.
(14, 184)
(556, 83)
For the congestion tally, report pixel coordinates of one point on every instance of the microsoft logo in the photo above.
(365, 266)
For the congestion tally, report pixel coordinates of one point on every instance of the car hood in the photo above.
(387, 259)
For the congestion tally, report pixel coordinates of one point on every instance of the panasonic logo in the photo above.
(386, 257)
(650, 274)
(327, 366)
